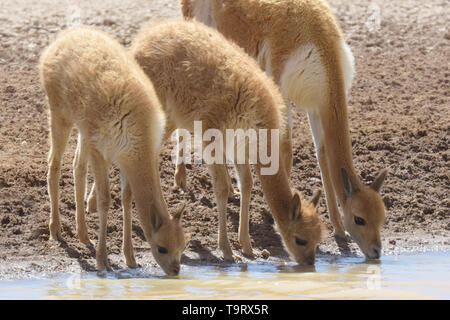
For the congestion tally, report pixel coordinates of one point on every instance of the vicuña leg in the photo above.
(245, 185)
(180, 170)
(231, 191)
(218, 173)
(92, 200)
(80, 172)
(59, 134)
(180, 176)
(330, 195)
(100, 171)
(127, 244)
(335, 216)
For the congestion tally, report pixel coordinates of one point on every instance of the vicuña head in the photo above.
(167, 240)
(304, 230)
(364, 213)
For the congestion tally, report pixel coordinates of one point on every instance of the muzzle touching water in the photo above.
(374, 252)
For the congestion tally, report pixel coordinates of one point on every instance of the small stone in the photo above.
(10, 89)
(108, 22)
(205, 201)
(265, 254)
(5, 220)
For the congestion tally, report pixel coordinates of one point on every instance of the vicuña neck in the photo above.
(337, 144)
(278, 195)
(146, 188)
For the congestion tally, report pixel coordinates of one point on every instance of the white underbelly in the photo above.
(304, 79)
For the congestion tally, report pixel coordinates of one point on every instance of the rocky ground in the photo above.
(399, 110)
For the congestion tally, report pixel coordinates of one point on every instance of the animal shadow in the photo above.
(82, 260)
(204, 255)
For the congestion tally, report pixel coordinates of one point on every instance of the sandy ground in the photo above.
(399, 116)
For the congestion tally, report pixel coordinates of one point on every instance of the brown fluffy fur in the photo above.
(92, 83)
(300, 44)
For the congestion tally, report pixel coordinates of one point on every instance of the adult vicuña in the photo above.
(91, 82)
(300, 44)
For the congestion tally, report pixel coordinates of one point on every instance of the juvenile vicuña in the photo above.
(91, 82)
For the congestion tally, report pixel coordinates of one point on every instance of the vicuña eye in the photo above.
(162, 250)
(300, 242)
(360, 221)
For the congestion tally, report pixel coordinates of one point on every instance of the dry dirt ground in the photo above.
(399, 117)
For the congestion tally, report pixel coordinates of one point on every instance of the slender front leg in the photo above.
(100, 170)
(180, 171)
(59, 134)
(218, 173)
(231, 191)
(321, 153)
(330, 195)
(80, 172)
(127, 244)
(180, 176)
(92, 200)
(286, 142)
(245, 185)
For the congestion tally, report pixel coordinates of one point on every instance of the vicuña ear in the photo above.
(295, 207)
(378, 182)
(179, 213)
(316, 197)
(349, 186)
(155, 218)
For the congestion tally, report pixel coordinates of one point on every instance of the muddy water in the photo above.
(406, 276)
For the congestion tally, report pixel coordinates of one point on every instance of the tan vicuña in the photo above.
(91, 82)
(300, 44)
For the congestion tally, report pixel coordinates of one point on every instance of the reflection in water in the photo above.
(395, 277)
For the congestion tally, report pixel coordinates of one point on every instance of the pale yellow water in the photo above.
(412, 276)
